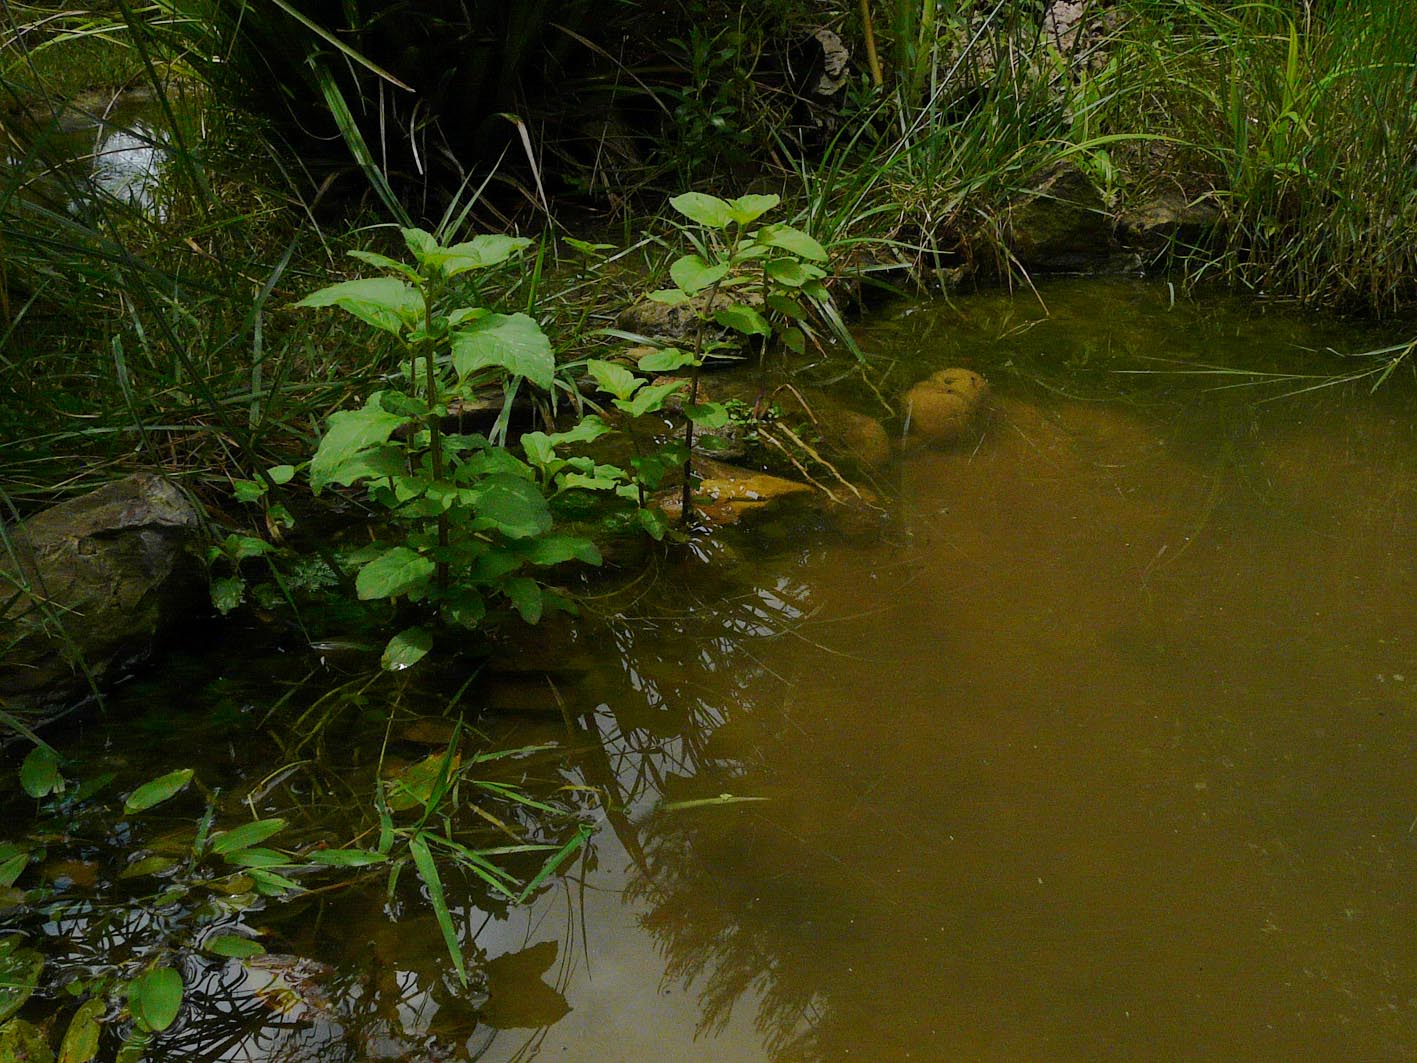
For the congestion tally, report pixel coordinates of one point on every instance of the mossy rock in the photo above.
(944, 409)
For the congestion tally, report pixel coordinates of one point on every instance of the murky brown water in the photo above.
(1103, 752)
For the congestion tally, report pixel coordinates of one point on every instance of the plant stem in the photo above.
(435, 430)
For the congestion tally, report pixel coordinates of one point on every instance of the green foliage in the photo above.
(469, 515)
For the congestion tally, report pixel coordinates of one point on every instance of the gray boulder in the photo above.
(88, 588)
(1062, 225)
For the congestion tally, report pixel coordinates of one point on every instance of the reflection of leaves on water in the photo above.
(708, 717)
(517, 998)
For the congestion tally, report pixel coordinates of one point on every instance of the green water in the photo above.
(1101, 751)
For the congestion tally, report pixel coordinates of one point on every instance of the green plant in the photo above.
(468, 515)
(749, 281)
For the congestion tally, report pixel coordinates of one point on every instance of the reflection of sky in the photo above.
(127, 164)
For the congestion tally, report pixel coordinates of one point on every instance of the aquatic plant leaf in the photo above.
(513, 343)
(349, 434)
(246, 835)
(793, 241)
(270, 884)
(650, 398)
(134, 1047)
(582, 835)
(257, 857)
(345, 857)
(39, 774)
(743, 319)
(791, 273)
(415, 787)
(80, 1042)
(428, 872)
(406, 649)
(394, 572)
(747, 209)
(587, 430)
(156, 791)
(155, 997)
(12, 868)
(387, 303)
(709, 415)
(233, 946)
(148, 865)
(227, 593)
(19, 974)
(704, 209)
(613, 379)
(692, 274)
(515, 507)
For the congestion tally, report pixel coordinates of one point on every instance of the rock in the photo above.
(726, 492)
(862, 438)
(944, 408)
(1167, 219)
(1063, 225)
(100, 580)
(676, 325)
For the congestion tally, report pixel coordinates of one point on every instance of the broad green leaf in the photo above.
(158, 790)
(348, 435)
(743, 319)
(786, 306)
(233, 946)
(651, 398)
(281, 474)
(155, 996)
(668, 297)
(387, 303)
(19, 974)
(385, 262)
(747, 209)
(464, 606)
(257, 857)
(615, 379)
(406, 649)
(246, 835)
(666, 360)
(654, 523)
(270, 884)
(81, 1038)
(587, 430)
(704, 209)
(227, 593)
(478, 253)
(148, 865)
(39, 774)
(12, 868)
(793, 274)
(708, 415)
(515, 507)
(794, 340)
(513, 343)
(247, 490)
(791, 240)
(416, 785)
(692, 274)
(345, 857)
(554, 549)
(538, 448)
(428, 872)
(420, 242)
(394, 572)
(525, 595)
(588, 249)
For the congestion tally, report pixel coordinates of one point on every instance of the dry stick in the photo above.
(872, 59)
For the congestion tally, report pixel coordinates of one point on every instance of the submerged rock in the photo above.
(944, 408)
(91, 587)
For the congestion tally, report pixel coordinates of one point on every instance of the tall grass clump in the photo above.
(1300, 120)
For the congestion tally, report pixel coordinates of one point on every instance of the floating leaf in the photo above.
(148, 865)
(81, 1039)
(233, 946)
(406, 649)
(417, 784)
(257, 857)
(704, 209)
(155, 997)
(39, 774)
(692, 274)
(394, 572)
(158, 790)
(387, 303)
(246, 835)
(513, 343)
(270, 884)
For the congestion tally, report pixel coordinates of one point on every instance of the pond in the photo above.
(1100, 750)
